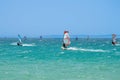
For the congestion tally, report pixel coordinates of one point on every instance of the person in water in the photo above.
(113, 39)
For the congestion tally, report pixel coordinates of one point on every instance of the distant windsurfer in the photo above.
(88, 37)
(113, 39)
(76, 38)
(66, 40)
(19, 43)
(25, 38)
(40, 37)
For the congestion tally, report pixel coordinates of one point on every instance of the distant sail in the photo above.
(40, 37)
(66, 39)
(113, 39)
(19, 37)
(88, 37)
(25, 38)
(76, 38)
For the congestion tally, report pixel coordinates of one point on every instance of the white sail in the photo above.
(66, 39)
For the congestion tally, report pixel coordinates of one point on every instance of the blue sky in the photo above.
(48, 17)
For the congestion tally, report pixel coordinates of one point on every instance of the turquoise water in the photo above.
(93, 59)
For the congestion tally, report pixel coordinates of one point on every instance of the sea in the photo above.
(84, 59)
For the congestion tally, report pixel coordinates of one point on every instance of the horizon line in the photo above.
(60, 36)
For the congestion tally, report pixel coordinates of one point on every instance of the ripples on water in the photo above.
(93, 59)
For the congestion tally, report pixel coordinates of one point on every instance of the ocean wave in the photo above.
(26, 51)
(14, 43)
(117, 53)
(117, 44)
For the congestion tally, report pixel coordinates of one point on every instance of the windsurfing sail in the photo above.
(66, 39)
(113, 39)
(88, 37)
(40, 37)
(20, 39)
(25, 38)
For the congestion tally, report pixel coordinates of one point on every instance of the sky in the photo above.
(52, 17)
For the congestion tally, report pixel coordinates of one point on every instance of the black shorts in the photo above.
(113, 43)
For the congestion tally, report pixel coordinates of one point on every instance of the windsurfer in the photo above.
(113, 39)
(19, 43)
(66, 40)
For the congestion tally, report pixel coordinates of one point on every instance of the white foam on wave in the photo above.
(72, 48)
(61, 52)
(117, 44)
(29, 44)
(87, 50)
(15, 44)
